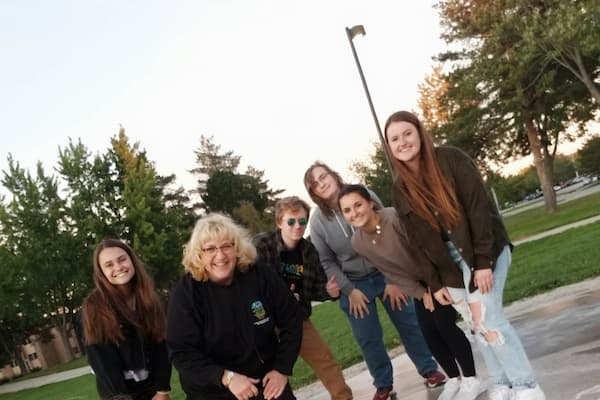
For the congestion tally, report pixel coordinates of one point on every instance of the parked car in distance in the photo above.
(538, 193)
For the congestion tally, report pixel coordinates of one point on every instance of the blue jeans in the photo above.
(369, 334)
(506, 359)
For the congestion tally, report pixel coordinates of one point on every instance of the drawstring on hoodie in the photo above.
(337, 218)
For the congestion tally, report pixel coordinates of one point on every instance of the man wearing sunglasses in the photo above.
(297, 262)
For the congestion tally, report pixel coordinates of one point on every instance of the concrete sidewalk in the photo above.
(557, 230)
(44, 380)
(561, 334)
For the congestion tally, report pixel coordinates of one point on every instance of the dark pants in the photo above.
(143, 390)
(445, 339)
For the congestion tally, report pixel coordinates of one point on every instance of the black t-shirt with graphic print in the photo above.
(293, 268)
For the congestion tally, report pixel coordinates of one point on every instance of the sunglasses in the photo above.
(301, 221)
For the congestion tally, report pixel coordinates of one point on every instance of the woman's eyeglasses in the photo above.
(212, 250)
(320, 179)
(301, 221)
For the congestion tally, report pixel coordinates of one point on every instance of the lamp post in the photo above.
(351, 33)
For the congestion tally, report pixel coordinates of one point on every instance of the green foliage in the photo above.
(36, 234)
(256, 222)
(47, 235)
(375, 174)
(223, 189)
(564, 169)
(514, 188)
(569, 38)
(589, 157)
(505, 98)
(156, 219)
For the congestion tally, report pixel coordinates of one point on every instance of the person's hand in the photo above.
(395, 295)
(274, 383)
(161, 396)
(428, 300)
(333, 290)
(443, 296)
(358, 303)
(243, 387)
(483, 279)
(296, 294)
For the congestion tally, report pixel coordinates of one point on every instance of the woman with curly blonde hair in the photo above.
(223, 316)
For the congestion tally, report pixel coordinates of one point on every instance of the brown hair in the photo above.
(106, 307)
(217, 226)
(309, 183)
(292, 203)
(431, 191)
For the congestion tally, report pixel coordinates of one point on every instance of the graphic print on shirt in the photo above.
(292, 268)
(293, 271)
(259, 312)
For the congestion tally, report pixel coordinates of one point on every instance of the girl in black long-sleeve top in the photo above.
(124, 327)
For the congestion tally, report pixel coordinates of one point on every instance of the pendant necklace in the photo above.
(378, 232)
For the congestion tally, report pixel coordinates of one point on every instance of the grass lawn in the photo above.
(555, 261)
(536, 220)
(77, 363)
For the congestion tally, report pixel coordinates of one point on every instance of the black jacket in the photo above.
(110, 360)
(212, 327)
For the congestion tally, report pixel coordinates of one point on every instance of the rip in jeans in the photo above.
(473, 313)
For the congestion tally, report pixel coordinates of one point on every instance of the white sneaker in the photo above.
(450, 389)
(529, 394)
(500, 392)
(469, 389)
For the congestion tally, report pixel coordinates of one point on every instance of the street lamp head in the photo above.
(355, 30)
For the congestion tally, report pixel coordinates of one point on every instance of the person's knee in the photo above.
(488, 331)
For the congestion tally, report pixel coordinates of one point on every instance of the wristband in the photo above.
(163, 392)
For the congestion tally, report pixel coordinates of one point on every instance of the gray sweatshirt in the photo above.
(332, 238)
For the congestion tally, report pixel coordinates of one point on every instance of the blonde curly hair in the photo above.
(217, 227)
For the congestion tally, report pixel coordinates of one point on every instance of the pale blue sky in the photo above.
(273, 80)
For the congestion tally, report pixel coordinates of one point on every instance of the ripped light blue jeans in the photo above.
(506, 360)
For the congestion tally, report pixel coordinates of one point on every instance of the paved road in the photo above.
(562, 196)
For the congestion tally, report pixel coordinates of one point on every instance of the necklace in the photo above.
(377, 232)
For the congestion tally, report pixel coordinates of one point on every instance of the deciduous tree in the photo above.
(506, 100)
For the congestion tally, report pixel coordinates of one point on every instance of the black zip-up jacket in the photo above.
(211, 327)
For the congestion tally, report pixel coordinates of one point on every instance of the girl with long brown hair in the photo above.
(124, 327)
(440, 198)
